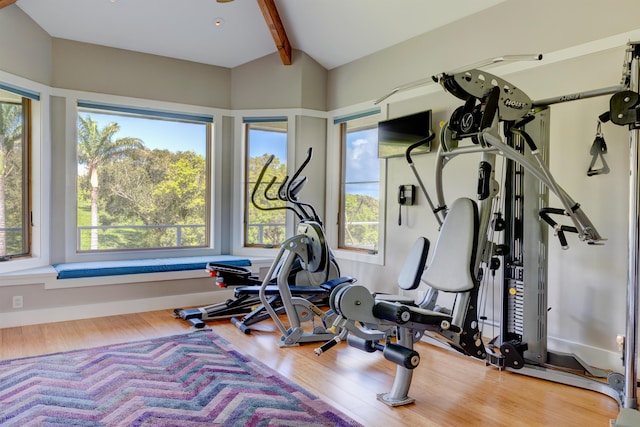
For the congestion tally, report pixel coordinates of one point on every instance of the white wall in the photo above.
(25, 48)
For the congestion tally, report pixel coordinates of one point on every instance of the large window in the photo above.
(15, 192)
(265, 223)
(143, 179)
(360, 185)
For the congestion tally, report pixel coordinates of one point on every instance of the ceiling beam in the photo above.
(272, 18)
(5, 3)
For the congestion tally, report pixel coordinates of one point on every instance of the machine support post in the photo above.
(630, 348)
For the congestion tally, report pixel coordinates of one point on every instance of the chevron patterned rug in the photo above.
(196, 379)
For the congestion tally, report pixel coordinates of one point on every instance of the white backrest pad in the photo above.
(450, 267)
(409, 277)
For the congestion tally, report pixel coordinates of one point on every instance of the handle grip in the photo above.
(559, 229)
(563, 239)
(326, 346)
(418, 144)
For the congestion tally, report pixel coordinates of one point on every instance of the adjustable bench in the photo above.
(368, 321)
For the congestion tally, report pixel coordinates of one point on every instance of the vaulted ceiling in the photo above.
(231, 33)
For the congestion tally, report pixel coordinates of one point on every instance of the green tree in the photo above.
(10, 147)
(96, 147)
(273, 234)
(181, 192)
(128, 187)
(159, 187)
(180, 197)
(361, 209)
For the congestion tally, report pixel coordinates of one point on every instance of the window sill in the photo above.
(48, 276)
(359, 256)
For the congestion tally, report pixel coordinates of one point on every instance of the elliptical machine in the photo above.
(320, 270)
(225, 275)
(246, 301)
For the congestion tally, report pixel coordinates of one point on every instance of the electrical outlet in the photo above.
(18, 302)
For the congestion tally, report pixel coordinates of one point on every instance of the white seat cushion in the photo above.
(454, 253)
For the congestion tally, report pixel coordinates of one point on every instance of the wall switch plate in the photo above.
(18, 302)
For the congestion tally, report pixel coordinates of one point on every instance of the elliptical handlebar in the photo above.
(267, 197)
(287, 191)
(268, 187)
(293, 187)
(299, 171)
(282, 189)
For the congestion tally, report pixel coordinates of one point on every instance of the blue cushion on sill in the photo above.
(73, 270)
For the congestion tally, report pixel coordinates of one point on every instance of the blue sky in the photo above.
(183, 136)
(362, 156)
(157, 134)
(362, 162)
(268, 142)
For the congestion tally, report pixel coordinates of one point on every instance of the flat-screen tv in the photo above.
(396, 135)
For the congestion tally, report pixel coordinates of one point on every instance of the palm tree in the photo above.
(95, 148)
(10, 137)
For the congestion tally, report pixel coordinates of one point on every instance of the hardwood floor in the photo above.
(450, 390)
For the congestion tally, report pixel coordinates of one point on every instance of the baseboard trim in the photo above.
(113, 308)
(593, 356)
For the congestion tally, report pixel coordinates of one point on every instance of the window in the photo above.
(143, 179)
(359, 185)
(15, 193)
(265, 223)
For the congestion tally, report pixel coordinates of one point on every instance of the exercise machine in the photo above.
(224, 275)
(370, 323)
(497, 118)
(301, 275)
(310, 248)
(246, 301)
(298, 302)
(521, 343)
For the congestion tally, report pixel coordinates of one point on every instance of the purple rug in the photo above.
(197, 379)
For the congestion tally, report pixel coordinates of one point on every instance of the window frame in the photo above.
(215, 176)
(26, 144)
(37, 217)
(335, 193)
(247, 124)
(88, 107)
(344, 131)
(239, 184)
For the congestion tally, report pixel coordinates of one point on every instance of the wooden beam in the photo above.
(272, 18)
(5, 3)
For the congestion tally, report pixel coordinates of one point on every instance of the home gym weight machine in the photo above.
(301, 281)
(521, 344)
(456, 266)
(492, 108)
(522, 340)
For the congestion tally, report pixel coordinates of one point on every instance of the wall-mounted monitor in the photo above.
(396, 135)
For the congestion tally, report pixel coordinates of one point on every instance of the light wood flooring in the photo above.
(450, 390)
